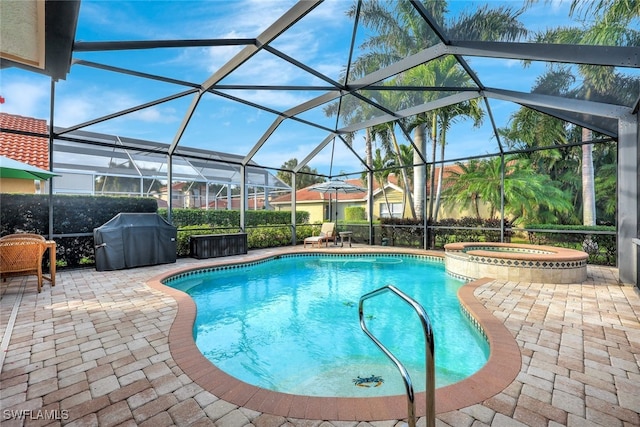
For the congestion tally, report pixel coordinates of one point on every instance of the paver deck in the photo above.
(95, 350)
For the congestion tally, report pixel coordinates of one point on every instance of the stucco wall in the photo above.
(12, 185)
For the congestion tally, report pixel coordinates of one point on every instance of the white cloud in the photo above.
(248, 20)
(74, 110)
(557, 5)
(75, 105)
(27, 97)
(254, 16)
(155, 115)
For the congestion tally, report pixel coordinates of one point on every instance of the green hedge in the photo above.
(402, 232)
(231, 218)
(602, 248)
(81, 214)
(410, 232)
(265, 229)
(470, 229)
(71, 215)
(355, 213)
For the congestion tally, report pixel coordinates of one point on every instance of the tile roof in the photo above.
(306, 195)
(33, 150)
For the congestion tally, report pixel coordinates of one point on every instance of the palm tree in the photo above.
(400, 31)
(381, 173)
(351, 110)
(529, 128)
(463, 189)
(599, 83)
(529, 196)
(407, 154)
(442, 72)
(385, 133)
(447, 116)
(606, 181)
(612, 23)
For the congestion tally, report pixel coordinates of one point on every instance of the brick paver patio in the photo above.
(94, 350)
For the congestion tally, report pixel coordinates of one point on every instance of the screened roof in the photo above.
(128, 157)
(269, 81)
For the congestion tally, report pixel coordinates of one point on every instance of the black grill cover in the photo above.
(134, 240)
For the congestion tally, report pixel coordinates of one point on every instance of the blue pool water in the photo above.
(291, 324)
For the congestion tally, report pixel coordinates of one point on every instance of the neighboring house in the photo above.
(253, 203)
(185, 195)
(33, 150)
(390, 202)
(317, 204)
(323, 206)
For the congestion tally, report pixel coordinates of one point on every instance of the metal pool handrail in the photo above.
(429, 356)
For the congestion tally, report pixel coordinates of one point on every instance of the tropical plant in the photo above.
(399, 31)
(528, 195)
(381, 166)
(530, 130)
(610, 26)
(606, 182)
(462, 188)
(446, 117)
(385, 133)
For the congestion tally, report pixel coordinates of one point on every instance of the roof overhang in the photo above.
(38, 35)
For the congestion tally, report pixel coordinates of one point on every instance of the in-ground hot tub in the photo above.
(515, 262)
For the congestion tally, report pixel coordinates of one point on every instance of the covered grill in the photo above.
(134, 240)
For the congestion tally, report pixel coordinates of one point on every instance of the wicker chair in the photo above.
(22, 256)
(23, 236)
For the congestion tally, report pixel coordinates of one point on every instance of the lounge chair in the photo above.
(327, 232)
(22, 257)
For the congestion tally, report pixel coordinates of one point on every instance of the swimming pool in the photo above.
(291, 324)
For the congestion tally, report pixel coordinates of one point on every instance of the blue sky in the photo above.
(320, 40)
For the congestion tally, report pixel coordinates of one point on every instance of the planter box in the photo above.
(218, 245)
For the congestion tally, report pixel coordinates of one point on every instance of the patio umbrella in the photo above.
(336, 186)
(10, 168)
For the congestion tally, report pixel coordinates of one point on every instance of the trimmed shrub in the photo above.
(257, 237)
(72, 214)
(230, 219)
(183, 244)
(409, 232)
(402, 232)
(355, 213)
(602, 248)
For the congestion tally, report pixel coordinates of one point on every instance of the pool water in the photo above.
(291, 324)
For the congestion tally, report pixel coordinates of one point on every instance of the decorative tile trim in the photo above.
(492, 248)
(206, 270)
(459, 276)
(475, 323)
(504, 262)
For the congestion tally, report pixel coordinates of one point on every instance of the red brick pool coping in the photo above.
(500, 370)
